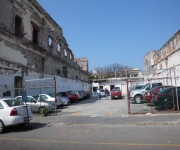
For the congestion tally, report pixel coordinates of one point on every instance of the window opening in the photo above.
(50, 41)
(58, 47)
(58, 72)
(7, 93)
(18, 27)
(35, 36)
(65, 52)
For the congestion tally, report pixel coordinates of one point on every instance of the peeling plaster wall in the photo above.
(10, 54)
(167, 57)
(148, 62)
(36, 60)
(42, 60)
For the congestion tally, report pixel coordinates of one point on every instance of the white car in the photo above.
(13, 112)
(102, 92)
(37, 105)
(51, 97)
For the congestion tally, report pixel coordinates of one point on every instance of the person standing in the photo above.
(98, 94)
(106, 93)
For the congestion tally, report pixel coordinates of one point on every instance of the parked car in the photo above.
(65, 100)
(167, 98)
(137, 95)
(88, 93)
(71, 96)
(78, 93)
(37, 105)
(13, 112)
(83, 93)
(136, 87)
(51, 97)
(116, 93)
(151, 93)
(102, 92)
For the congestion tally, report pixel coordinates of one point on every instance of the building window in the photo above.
(65, 52)
(35, 31)
(58, 72)
(35, 36)
(18, 27)
(70, 56)
(65, 72)
(50, 41)
(58, 47)
(7, 93)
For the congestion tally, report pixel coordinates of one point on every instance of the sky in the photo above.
(115, 31)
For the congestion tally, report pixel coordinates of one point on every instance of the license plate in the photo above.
(116, 96)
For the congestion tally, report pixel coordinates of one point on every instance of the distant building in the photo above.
(82, 62)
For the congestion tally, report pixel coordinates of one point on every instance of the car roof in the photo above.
(7, 99)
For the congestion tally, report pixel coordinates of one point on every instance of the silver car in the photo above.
(37, 105)
(65, 100)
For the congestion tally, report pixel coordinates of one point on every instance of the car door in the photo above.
(33, 104)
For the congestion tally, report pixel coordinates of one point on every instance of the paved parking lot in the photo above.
(93, 107)
(117, 107)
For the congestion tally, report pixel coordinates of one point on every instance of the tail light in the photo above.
(13, 112)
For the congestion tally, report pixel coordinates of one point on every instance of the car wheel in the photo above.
(169, 106)
(2, 127)
(138, 99)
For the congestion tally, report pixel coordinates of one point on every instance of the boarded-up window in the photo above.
(18, 26)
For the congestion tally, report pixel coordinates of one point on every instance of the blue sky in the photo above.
(115, 31)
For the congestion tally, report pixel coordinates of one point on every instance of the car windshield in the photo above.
(166, 90)
(51, 94)
(138, 87)
(36, 97)
(115, 89)
(153, 89)
(102, 90)
(144, 86)
(73, 92)
(13, 102)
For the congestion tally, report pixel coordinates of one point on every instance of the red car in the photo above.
(72, 97)
(151, 93)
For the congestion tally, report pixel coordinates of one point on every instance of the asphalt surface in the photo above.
(96, 125)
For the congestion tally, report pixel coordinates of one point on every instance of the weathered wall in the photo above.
(20, 57)
(166, 58)
(148, 62)
(41, 57)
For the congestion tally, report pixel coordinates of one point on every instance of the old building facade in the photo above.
(32, 46)
(164, 64)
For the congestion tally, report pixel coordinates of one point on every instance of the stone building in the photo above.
(165, 63)
(32, 46)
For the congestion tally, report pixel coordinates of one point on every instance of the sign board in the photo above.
(24, 96)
